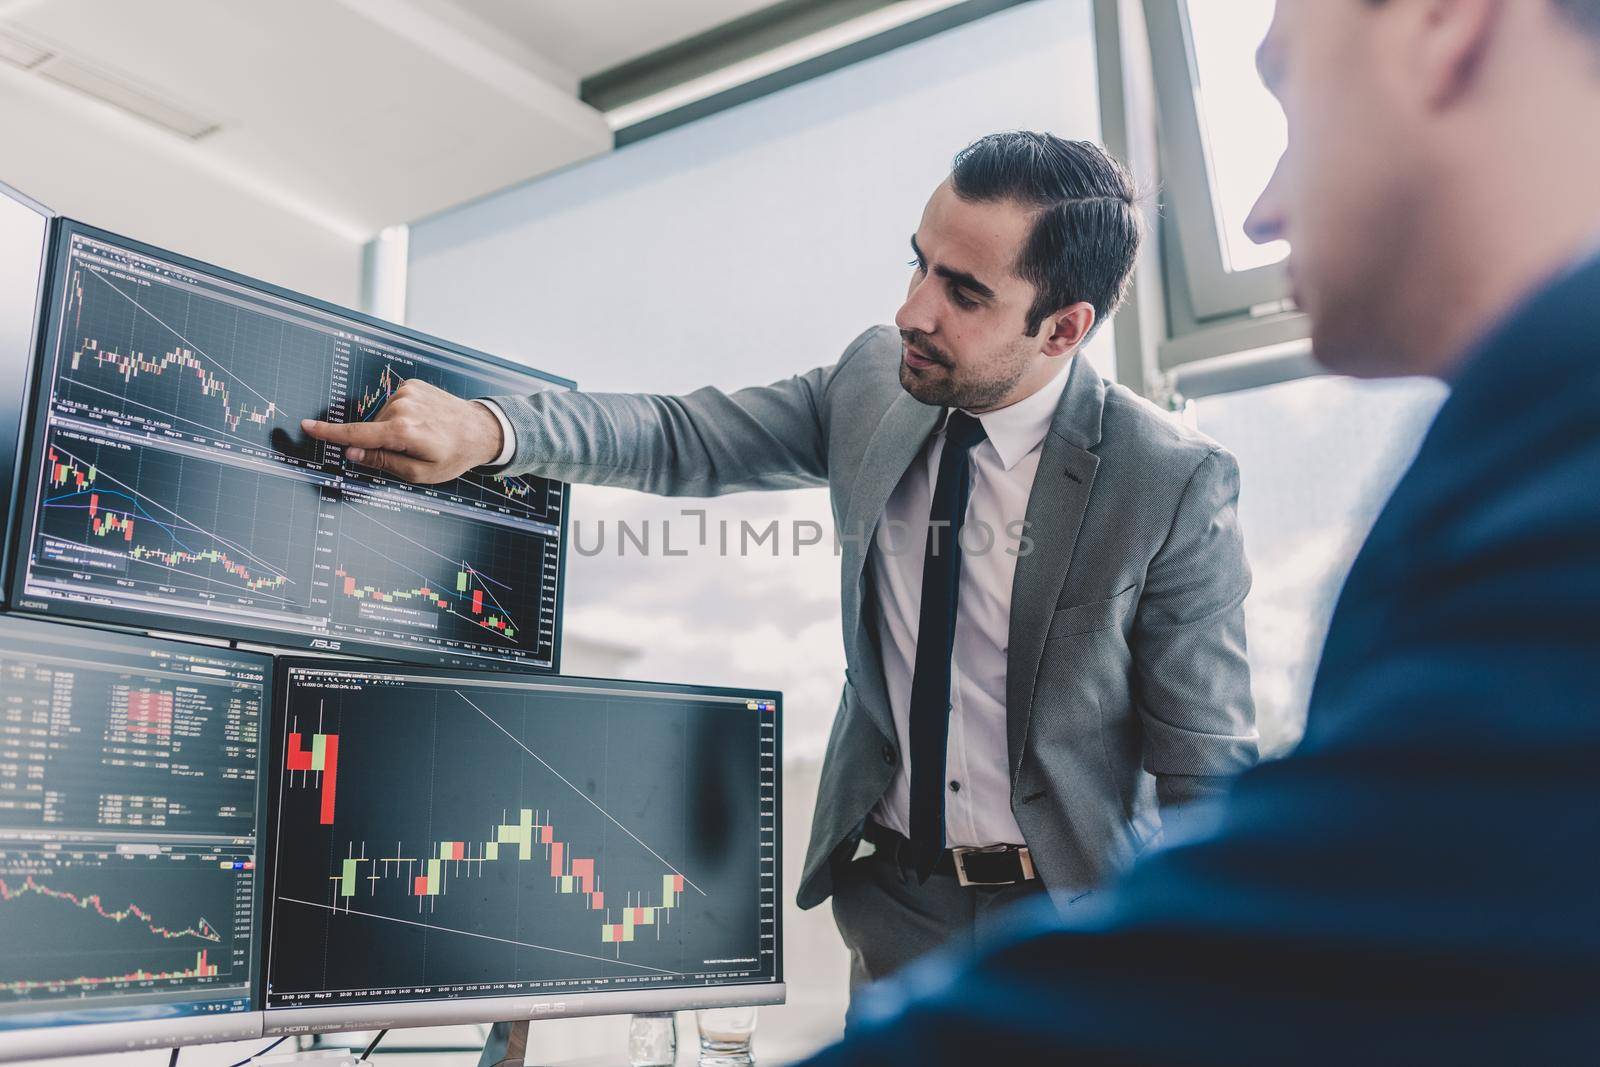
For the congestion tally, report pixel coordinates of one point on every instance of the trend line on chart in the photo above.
(512, 487)
(372, 400)
(530, 835)
(201, 929)
(129, 366)
(192, 347)
(426, 592)
(483, 937)
(202, 968)
(429, 589)
(587, 799)
(120, 519)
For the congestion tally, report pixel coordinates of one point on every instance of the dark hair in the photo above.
(1086, 235)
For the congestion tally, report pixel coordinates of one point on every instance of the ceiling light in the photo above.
(108, 89)
(20, 53)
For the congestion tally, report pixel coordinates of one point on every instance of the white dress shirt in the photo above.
(508, 435)
(978, 812)
(977, 772)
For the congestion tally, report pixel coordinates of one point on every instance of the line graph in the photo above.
(183, 526)
(160, 356)
(375, 375)
(375, 394)
(201, 928)
(523, 495)
(508, 841)
(92, 921)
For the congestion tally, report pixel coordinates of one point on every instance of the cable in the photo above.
(173, 1062)
(263, 1052)
(372, 1046)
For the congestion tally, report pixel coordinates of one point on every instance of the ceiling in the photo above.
(350, 114)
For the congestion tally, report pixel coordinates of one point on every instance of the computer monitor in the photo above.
(169, 486)
(453, 846)
(24, 240)
(131, 804)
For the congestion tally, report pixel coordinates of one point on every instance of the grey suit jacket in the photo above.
(1127, 686)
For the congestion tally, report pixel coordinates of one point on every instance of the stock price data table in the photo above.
(171, 479)
(441, 837)
(130, 792)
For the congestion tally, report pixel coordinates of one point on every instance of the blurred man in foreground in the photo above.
(1417, 883)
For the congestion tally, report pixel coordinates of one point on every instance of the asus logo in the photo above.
(558, 1006)
(323, 642)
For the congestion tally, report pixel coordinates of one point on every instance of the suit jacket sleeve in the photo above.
(1191, 677)
(703, 444)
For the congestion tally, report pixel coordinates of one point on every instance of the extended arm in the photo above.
(702, 444)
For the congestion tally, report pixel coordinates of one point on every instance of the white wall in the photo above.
(747, 247)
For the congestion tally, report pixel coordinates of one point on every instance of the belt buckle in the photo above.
(959, 856)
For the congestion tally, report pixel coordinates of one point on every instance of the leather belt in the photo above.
(990, 865)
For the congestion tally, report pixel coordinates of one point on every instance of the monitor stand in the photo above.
(507, 1045)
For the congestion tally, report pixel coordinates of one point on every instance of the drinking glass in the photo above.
(725, 1036)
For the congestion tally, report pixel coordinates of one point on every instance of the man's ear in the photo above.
(1453, 37)
(1065, 330)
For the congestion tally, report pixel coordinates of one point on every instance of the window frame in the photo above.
(1213, 289)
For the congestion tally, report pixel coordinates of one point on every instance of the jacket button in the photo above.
(888, 754)
(955, 787)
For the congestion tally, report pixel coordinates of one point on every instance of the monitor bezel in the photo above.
(100, 1035)
(443, 1012)
(280, 642)
(30, 358)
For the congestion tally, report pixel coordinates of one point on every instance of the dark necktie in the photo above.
(936, 632)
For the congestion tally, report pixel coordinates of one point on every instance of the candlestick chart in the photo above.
(178, 526)
(514, 839)
(408, 567)
(152, 353)
(173, 487)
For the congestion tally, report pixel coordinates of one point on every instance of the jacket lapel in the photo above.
(897, 441)
(1056, 508)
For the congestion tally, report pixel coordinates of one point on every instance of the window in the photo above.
(1242, 124)
(1318, 459)
(1221, 134)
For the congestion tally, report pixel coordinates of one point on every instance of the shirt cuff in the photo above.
(508, 435)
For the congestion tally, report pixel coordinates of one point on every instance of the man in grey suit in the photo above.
(1042, 574)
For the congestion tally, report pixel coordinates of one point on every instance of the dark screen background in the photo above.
(436, 761)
